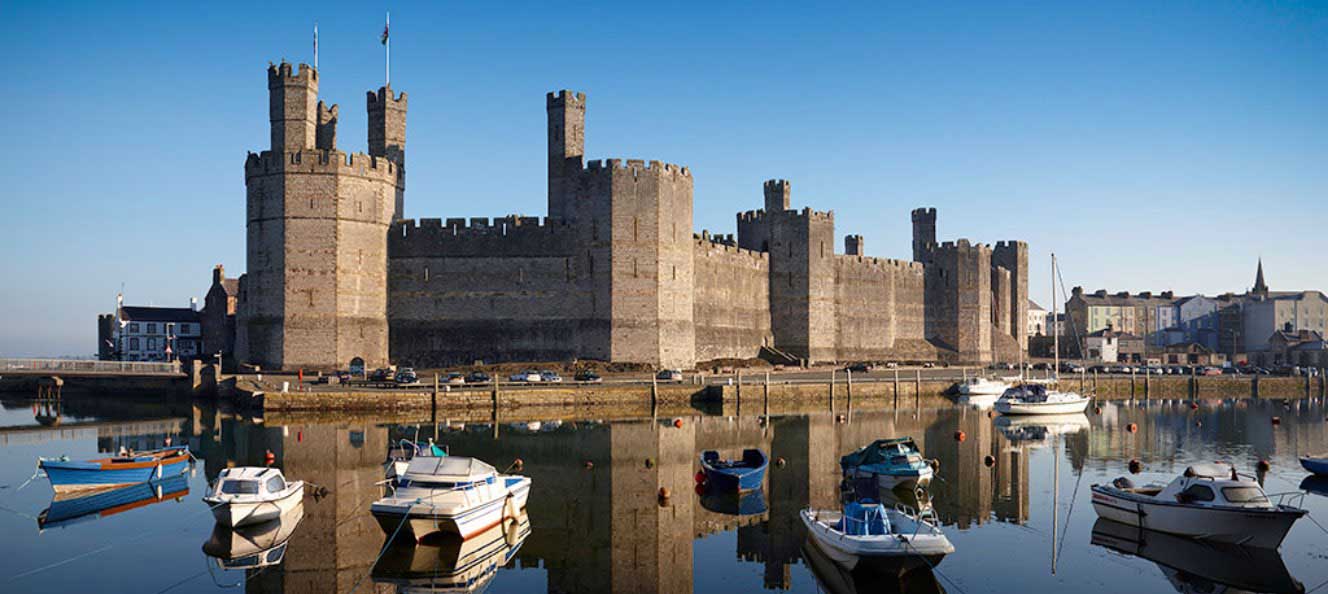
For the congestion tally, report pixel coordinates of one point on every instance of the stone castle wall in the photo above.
(614, 273)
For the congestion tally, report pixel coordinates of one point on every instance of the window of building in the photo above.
(184, 328)
(152, 344)
(133, 327)
(152, 328)
(133, 344)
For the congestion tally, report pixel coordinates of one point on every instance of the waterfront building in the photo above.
(218, 316)
(1037, 320)
(1102, 345)
(142, 333)
(1197, 321)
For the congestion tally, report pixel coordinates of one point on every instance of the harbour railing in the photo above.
(84, 366)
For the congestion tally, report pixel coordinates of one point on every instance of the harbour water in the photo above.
(596, 521)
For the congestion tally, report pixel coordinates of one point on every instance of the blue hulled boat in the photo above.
(890, 461)
(1316, 464)
(65, 510)
(734, 504)
(66, 475)
(734, 475)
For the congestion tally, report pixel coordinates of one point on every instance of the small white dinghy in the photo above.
(866, 530)
(247, 495)
(1209, 501)
(1037, 399)
(449, 494)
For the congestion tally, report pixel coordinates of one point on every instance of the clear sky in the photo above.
(1152, 145)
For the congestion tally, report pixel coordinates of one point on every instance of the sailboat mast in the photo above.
(1056, 327)
(1055, 498)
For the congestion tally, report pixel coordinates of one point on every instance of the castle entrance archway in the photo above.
(357, 366)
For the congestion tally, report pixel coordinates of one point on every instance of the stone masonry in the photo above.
(614, 272)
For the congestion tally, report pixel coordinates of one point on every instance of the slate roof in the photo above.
(133, 313)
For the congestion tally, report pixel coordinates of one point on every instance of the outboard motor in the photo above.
(1122, 483)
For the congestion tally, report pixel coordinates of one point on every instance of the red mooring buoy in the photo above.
(518, 463)
(1135, 466)
(589, 465)
(989, 461)
(960, 436)
(677, 423)
(1132, 428)
(269, 458)
(1194, 406)
(700, 477)
(780, 462)
(1263, 466)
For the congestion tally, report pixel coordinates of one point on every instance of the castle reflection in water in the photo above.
(598, 522)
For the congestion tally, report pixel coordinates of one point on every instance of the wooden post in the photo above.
(850, 391)
(739, 397)
(1194, 378)
(896, 388)
(832, 391)
(1095, 381)
(767, 396)
(1083, 373)
(654, 394)
(1131, 382)
(917, 388)
(1148, 373)
(433, 402)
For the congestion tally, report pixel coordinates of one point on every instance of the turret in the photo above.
(567, 147)
(326, 135)
(292, 106)
(854, 245)
(387, 125)
(924, 233)
(777, 195)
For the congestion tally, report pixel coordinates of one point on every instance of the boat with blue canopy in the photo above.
(127, 468)
(868, 530)
(745, 474)
(891, 462)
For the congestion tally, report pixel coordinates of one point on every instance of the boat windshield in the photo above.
(1244, 495)
(234, 487)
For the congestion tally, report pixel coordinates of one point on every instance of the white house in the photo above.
(1037, 320)
(1103, 345)
(157, 333)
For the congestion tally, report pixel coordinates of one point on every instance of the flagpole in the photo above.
(315, 45)
(387, 68)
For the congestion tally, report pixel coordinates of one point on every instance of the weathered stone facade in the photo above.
(614, 272)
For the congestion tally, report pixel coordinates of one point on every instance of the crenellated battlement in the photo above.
(885, 264)
(637, 166)
(924, 213)
(510, 235)
(284, 73)
(565, 98)
(320, 161)
(1011, 244)
(964, 245)
(384, 97)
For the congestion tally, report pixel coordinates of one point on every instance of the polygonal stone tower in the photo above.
(315, 292)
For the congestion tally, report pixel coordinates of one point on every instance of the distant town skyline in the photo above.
(1151, 147)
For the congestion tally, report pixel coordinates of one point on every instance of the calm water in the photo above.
(600, 527)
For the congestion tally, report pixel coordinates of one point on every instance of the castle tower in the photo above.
(854, 245)
(777, 195)
(292, 106)
(567, 140)
(315, 291)
(802, 280)
(387, 136)
(958, 296)
(924, 233)
(1013, 256)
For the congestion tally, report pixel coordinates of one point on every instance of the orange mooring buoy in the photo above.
(960, 436)
(780, 462)
(518, 463)
(677, 423)
(989, 461)
(1132, 428)
(664, 493)
(269, 458)
(1097, 410)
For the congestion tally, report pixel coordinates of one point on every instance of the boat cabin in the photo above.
(1215, 484)
(250, 481)
(1026, 393)
(446, 472)
(900, 451)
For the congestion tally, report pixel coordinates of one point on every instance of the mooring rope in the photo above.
(386, 545)
(933, 569)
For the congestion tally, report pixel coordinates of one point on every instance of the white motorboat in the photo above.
(869, 530)
(248, 495)
(253, 546)
(400, 454)
(449, 494)
(1037, 399)
(1208, 501)
(982, 386)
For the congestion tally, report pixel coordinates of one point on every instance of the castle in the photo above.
(336, 276)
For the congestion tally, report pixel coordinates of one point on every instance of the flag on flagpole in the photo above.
(383, 40)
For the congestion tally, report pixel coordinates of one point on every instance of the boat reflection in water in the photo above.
(904, 574)
(1315, 484)
(1036, 431)
(69, 508)
(443, 562)
(729, 503)
(1198, 566)
(255, 546)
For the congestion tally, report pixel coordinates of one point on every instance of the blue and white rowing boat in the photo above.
(741, 475)
(71, 508)
(67, 475)
(1316, 464)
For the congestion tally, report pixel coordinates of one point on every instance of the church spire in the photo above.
(1260, 287)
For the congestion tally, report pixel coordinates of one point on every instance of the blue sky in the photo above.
(1153, 146)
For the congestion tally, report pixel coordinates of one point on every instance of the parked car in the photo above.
(381, 374)
(891, 365)
(343, 376)
(669, 375)
(587, 376)
(406, 376)
(1210, 371)
(1044, 366)
(928, 365)
(456, 379)
(478, 377)
(860, 368)
(550, 377)
(529, 376)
